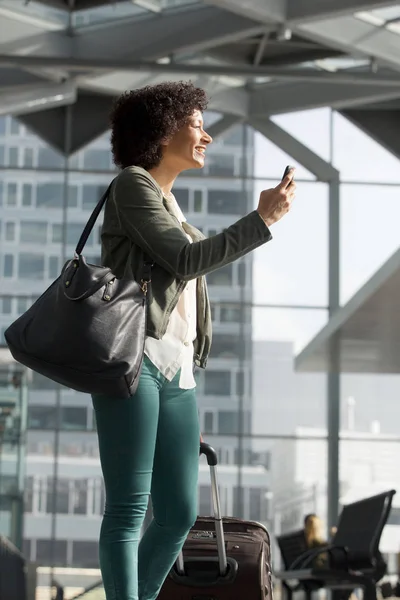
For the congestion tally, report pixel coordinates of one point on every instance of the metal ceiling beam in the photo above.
(34, 98)
(234, 101)
(80, 5)
(223, 125)
(20, 36)
(351, 34)
(265, 12)
(316, 10)
(17, 77)
(195, 28)
(283, 98)
(301, 153)
(102, 65)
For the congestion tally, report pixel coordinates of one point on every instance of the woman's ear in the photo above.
(166, 141)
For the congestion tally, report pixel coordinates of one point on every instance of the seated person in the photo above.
(315, 539)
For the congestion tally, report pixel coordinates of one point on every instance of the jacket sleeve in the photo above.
(145, 220)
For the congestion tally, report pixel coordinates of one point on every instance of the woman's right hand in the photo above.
(276, 202)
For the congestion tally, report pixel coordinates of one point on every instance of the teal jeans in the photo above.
(149, 444)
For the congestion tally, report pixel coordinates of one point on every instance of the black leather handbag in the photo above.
(87, 330)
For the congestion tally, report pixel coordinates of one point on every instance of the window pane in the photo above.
(79, 499)
(9, 231)
(56, 234)
(204, 499)
(11, 199)
(6, 305)
(230, 313)
(62, 496)
(54, 268)
(198, 201)
(91, 194)
(222, 276)
(225, 202)
(34, 231)
(240, 383)
(72, 196)
(41, 417)
(28, 494)
(85, 554)
(226, 346)
(74, 231)
(49, 158)
(13, 157)
(22, 305)
(2, 154)
(8, 265)
(208, 422)
(233, 137)
(182, 198)
(27, 194)
(2, 125)
(14, 126)
(286, 260)
(31, 266)
(241, 271)
(227, 421)
(49, 195)
(213, 313)
(358, 157)
(44, 550)
(222, 164)
(28, 157)
(1, 193)
(39, 382)
(217, 383)
(74, 417)
(97, 160)
(255, 503)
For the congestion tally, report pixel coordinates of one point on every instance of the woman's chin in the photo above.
(198, 163)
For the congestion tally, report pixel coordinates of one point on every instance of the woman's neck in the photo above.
(165, 178)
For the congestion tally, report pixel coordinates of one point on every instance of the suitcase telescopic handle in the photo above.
(212, 460)
(209, 453)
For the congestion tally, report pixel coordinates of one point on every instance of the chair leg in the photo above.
(288, 591)
(369, 590)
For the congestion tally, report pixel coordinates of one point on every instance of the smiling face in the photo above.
(186, 149)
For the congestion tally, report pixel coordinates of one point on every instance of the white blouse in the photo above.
(175, 350)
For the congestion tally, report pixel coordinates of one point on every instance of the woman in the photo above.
(150, 442)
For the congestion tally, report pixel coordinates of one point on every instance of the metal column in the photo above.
(56, 453)
(333, 375)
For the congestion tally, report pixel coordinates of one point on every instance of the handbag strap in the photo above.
(148, 261)
(91, 222)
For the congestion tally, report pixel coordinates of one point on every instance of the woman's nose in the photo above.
(207, 138)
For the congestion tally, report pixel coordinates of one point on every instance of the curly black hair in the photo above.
(141, 119)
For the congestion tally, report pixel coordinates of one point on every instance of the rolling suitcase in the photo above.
(222, 559)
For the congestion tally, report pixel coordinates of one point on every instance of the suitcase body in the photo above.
(222, 559)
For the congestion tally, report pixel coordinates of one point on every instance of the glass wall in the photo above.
(266, 421)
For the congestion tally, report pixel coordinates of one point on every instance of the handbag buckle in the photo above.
(144, 286)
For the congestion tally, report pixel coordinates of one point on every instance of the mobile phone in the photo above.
(287, 170)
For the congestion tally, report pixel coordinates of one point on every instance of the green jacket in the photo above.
(137, 222)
